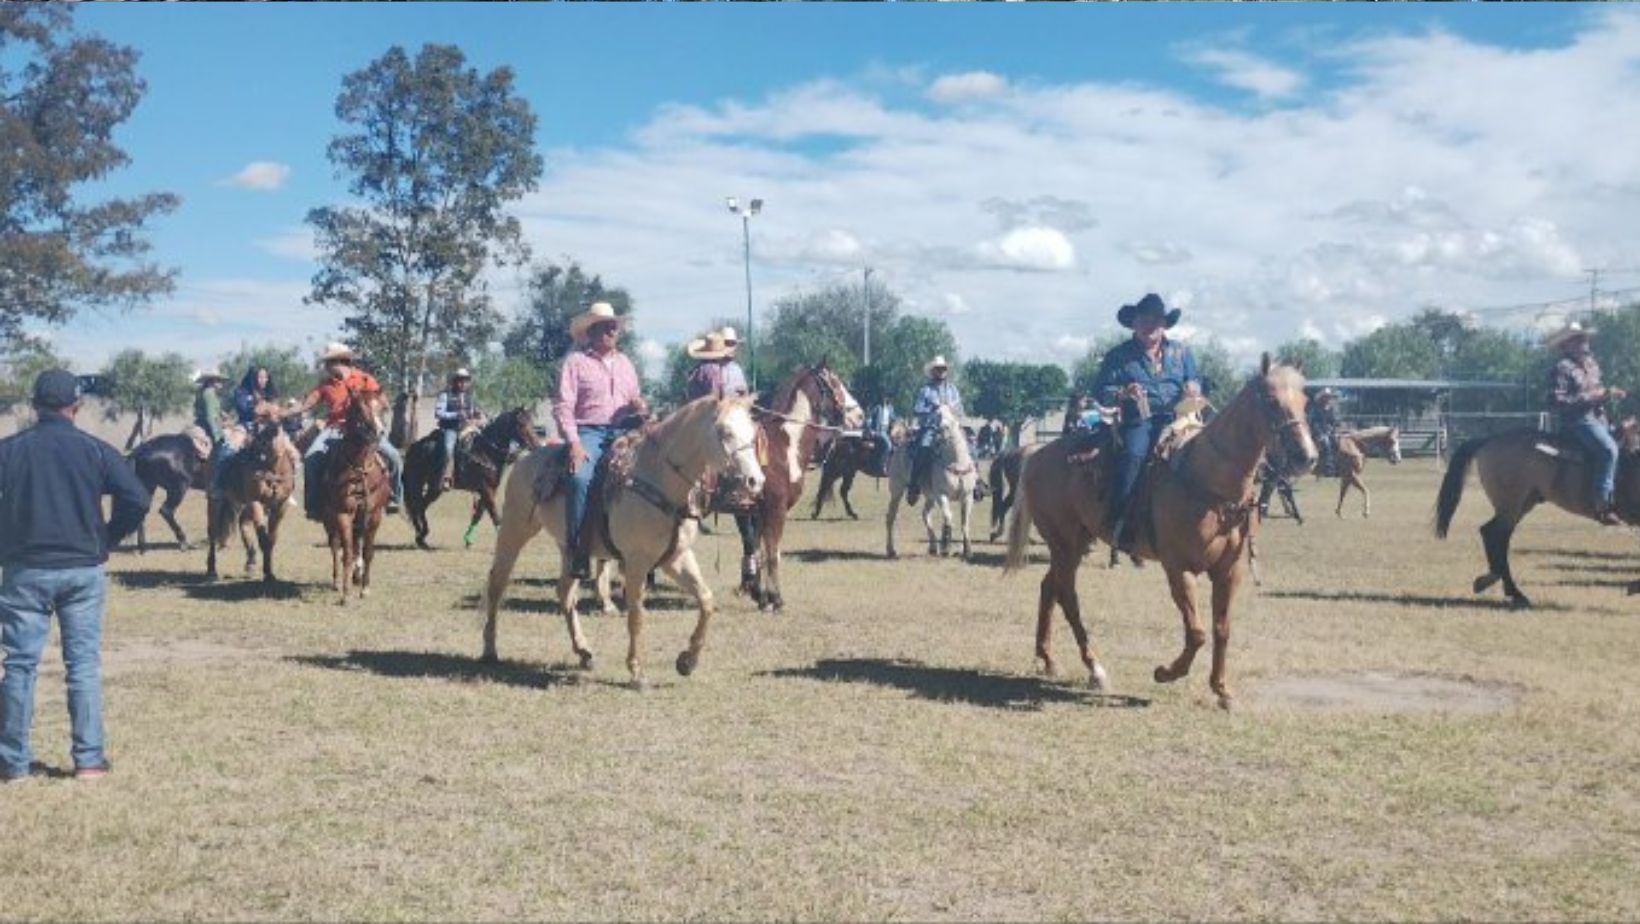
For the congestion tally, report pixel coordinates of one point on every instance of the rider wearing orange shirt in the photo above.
(342, 382)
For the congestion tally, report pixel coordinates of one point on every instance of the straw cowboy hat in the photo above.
(711, 346)
(337, 352)
(599, 313)
(1566, 335)
(209, 375)
(730, 338)
(1127, 314)
(937, 362)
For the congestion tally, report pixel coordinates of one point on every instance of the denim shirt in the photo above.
(1163, 384)
(932, 397)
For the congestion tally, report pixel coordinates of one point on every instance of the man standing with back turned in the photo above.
(53, 544)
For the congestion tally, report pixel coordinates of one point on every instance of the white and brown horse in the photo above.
(952, 476)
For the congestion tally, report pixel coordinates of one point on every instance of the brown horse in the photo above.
(1196, 518)
(813, 399)
(1004, 479)
(255, 486)
(479, 464)
(356, 490)
(1353, 448)
(846, 457)
(1519, 469)
(170, 463)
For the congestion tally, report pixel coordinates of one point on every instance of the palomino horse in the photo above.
(478, 469)
(647, 519)
(1004, 478)
(952, 476)
(813, 399)
(1197, 517)
(255, 485)
(355, 494)
(1353, 449)
(1519, 469)
(170, 463)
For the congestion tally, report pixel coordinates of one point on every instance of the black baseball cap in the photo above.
(56, 389)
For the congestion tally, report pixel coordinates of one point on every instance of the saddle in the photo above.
(201, 441)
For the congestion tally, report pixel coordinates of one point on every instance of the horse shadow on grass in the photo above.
(422, 665)
(964, 686)
(245, 589)
(1591, 568)
(1590, 554)
(1419, 601)
(587, 605)
(821, 556)
(153, 578)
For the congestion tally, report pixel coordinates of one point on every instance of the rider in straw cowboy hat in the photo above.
(340, 385)
(714, 360)
(939, 391)
(1578, 401)
(598, 390)
(454, 409)
(1149, 375)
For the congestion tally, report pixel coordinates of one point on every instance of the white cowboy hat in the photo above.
(461, 373)
(1567, 334)
(1190, 404)
(205, 375)
(711, 346)
(937, 362)
(730, 337)
(337, 352)
(598, 313)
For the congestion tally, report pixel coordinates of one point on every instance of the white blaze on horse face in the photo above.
(740, 446)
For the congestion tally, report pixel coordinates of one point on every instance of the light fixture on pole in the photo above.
(746, 214)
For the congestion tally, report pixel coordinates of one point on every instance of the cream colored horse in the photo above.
(952, 476)
(1353, 447)
(650, 523)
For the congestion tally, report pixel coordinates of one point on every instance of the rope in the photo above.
(770, 412)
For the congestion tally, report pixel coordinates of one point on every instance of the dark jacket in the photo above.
(52, 480)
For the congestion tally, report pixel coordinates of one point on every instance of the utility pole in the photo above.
(1594, 286)
(865, 297)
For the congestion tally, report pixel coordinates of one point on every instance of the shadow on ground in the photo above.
(820, 556)
(432, 664)
(1409, 600)
(151, 578)
(1582, 553)
(238, 590)
(954, 685)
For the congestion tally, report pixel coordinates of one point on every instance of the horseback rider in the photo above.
(878, 428)
(734, 377)
(341, 384)
(939, 391)
(598, 391)
(208, 417)
(453, 411)
(1324, 424)
(1147, 375)
(1578, 401)
(714, 359)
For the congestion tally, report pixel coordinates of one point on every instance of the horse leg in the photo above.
(632, 580)
(1502, 531)
(568, 590)
(371, 525)
(772, 530)
(344, 540)
(213, 511)
(842, 491)
(746, 525)
(928, 524)
(967, 509)
(270, 538)
(168, 512)
(602, 582)
(1064, 571)
(1224, 593)
(1184, 596)
(516, 531)
(482, 503)
(418, 510)
(685, 571)
(1343, 490)
(945, 525)
(827, 476)
(894, 495)
(1366, 499)
(248, 518)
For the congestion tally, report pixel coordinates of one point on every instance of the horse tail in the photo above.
(1019, 528)
(1457, 471)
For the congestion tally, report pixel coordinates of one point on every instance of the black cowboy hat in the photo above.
(1126, 315)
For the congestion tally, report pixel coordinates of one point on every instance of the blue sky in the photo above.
(1018, 169)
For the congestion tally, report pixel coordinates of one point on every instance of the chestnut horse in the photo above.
(478, 469)
(1520, 469)
(356, 490)
(1197, 517)
(812, 400)
(256, 482)
(1353, 448)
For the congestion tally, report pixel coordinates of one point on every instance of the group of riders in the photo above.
(1143, 386)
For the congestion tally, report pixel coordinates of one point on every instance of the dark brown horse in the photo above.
(1194, 516)
(355, 494)
(845, 457)
(1004, 479)
(170, 463)
(1520, 469)
(256, 483)
(479, 464)
(812, 400)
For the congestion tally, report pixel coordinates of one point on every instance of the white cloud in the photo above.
(651, 355)
(295, 243)
(1033, 249)
(259, 174)
(970, 85)
(209, 319)
(954, 304)
(1249, 72)
(1154, 253)
(1069, 345)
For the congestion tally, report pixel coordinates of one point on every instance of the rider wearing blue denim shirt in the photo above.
(1156, 369)
(939, 391)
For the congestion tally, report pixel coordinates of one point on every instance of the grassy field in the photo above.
(882, 750)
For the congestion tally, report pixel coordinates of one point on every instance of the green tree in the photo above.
(1220, 378)
(1617, 347)
(61, 253)
(134, 382)
(1395, 351)
(1319, 362)
(897, 363)
(433, 151)
(505, 382)
(555, 295)
(1013, 392)
(1085, 371)
(19, 366)
(292, 374)
(826, 324)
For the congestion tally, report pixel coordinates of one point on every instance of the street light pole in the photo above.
(865, 296)
(754, 207)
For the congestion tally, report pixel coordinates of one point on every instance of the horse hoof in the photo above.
(489, 657)
(686, 662)
(1485, 581)
(639, 685)
(1098, 680)
(1634, 588)
(1048, 669)
(1226, 701)
(1520, 602)
(1163, 675)
(586, 660)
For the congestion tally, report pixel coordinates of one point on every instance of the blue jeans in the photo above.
(220, 454)
(594, 440)
(449, 434)
(28, 597)
(1602, 450)
(313, 469)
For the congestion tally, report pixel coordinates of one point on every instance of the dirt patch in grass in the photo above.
(1386, 691)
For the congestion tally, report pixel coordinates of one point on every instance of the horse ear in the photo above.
(1264, 365)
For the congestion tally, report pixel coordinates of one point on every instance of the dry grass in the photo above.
(881, 751)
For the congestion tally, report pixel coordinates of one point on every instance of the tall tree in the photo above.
(19, 366)
(1220, 377)
(434, 150)
(556, 294)
(62, 94)
(505, 382)
(896, 368)
(1319, 362)
(147, 386)
(1013, 392)
(826, 324)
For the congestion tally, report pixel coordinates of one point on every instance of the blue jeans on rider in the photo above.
(220, 454)
(313, 467)
(449, 434)
(884, 446)
(1602, 448)
(28, 598)
(1137, 437)
(594, 440)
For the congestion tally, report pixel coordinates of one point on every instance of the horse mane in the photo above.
(786, 394)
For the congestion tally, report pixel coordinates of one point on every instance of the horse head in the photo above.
(1279, 392)
(832, 400)
(736, 443)
(363, 422)
(522, 430)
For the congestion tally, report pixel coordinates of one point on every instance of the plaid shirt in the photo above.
(1573, 387)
